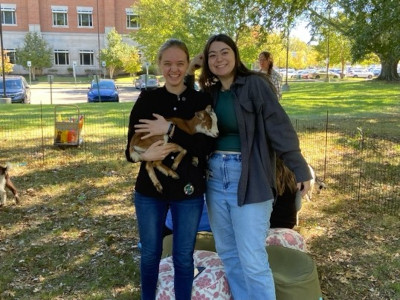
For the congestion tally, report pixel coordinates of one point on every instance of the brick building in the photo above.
(74, 29)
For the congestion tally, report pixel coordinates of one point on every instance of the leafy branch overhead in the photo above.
(195, 21)
(364, 27)
(368, 25)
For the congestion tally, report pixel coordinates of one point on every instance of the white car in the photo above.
(291, 73)
(357, 73)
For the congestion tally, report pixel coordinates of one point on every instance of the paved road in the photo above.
(75, 95)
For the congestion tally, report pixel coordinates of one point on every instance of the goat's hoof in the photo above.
(195, 161)
(175, 176)
(175, 166)
(159, 188)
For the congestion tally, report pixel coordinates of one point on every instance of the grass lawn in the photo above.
(74, 234)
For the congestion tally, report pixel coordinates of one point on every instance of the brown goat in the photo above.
(204, 121)
(5, 182)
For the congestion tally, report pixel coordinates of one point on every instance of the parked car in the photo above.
(17, 89)
(355, 73)
(152, 82)
(291, 73)
(376, 72)
(322, 74)
(106, 88)
(304, 74)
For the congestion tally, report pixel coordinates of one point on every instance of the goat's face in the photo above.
(3, 170)
(207, 122)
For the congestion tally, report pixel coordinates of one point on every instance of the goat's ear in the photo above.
(199, 115)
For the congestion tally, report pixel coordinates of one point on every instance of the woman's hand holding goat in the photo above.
(157, 151)
(158, 126)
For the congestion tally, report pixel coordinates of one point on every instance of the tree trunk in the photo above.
(33, 73)
(389, 69)
(111, 71)
(343, 64)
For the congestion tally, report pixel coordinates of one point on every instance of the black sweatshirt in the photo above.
(199, 145)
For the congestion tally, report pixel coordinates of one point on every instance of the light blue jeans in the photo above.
(239, 232)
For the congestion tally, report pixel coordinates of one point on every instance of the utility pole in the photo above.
(2, 54)
(98, 45)
(285, 87)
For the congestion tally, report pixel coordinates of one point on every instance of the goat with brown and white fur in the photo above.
(5, 182)
(204, 121)
(315, 183)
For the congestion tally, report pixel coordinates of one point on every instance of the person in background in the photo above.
(241, 184)
(185, 195)
(266, 66)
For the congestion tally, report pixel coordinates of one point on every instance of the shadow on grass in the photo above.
(72, 237)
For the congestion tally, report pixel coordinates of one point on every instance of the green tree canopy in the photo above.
(119, 55)
(370, 26)
(194, 21)
(338, 45)
(36, 50)
(130, 59)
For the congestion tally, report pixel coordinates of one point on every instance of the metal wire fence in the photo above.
(363, 165)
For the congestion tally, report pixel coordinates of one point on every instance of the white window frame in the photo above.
(9, 9)
(81, 55)
(84, 11)
(57, 59)
(58, 12)
(129, 14)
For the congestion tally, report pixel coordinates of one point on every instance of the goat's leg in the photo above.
(195, 161)
(12, 188)
(178, 158)
(153, 176)
(3, 197)
(165, 170)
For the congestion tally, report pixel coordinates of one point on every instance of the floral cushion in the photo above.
(210, 284)
(285, 237)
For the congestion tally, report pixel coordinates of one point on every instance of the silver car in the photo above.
(143, 83)
(361, 73)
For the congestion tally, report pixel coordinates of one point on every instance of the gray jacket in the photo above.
(265, 131)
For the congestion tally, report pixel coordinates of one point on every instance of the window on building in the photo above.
(61, 57)
(8, 14)
(60, 15)
(11, 55)
(85, 18)
(86, 57)
(132, 19)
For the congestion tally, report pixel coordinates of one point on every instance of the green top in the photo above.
(228, 139)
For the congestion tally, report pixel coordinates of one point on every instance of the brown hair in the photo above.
(267, 55)
(173, 43)
(285, 178)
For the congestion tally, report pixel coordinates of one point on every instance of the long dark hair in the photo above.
(208, 81)
(267, 55)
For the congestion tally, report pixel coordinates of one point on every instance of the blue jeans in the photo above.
(151, 213)
(239, 232)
